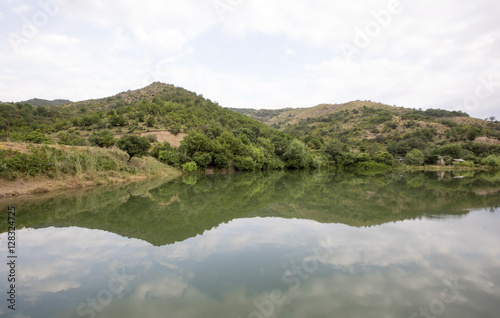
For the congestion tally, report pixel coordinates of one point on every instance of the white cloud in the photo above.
(21, 9)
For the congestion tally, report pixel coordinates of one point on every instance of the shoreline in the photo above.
(39, 185)
(118, 170)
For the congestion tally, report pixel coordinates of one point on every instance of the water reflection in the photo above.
(176, 211)
(239, 268)
(275, 245)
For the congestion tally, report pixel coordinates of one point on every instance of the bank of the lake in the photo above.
(36, 168)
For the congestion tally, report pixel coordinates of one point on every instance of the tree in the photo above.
(197, 142)
(297, 155)
(383, 157)
(103, 138)
(151, 121)
(492, 161)
(415, 158)
(134, 145)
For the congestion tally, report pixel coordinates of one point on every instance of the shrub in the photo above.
(190, 167)
(297, 155)
(415, 158)
(170, 157)
(37, 137)
(384, 157)
(103, 138)
(152, 138)
(491, 161)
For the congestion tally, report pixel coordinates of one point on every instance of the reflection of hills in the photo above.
(185, 208)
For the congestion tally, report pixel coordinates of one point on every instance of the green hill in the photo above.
(211, 135)
(192, 132)
(365, 126)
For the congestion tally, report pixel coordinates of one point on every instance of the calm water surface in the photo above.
(284, 244)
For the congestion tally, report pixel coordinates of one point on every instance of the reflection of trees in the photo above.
(176, 211)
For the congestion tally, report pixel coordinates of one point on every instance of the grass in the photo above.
(89, 163)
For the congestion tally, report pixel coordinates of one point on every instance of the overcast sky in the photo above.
(257, 53)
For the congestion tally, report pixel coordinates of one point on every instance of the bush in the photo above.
(415, 158)
(244, 163)
(157, 148)
(71, 138)
(297, 155)
(37, 137)
(103, 138)
(491, 161)
(152, 138)
(170, 157)
(151, 121)
(202, 159)
(190, 167)
(384, 157)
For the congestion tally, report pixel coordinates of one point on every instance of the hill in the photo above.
(184, 128)
(191, 132)
(45, 102)
(365, 126)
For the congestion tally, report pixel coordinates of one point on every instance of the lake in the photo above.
(278, 244)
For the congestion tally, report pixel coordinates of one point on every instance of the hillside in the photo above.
(183, 127)
(362, 126)
(191, 132)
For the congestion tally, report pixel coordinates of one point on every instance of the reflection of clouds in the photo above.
(388, 270)
(56, 260)
(164, 288)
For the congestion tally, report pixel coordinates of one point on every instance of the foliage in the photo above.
(190, 167)
(133, 145)
(297, 155)
(384, 157)
(170, 157)
(71, 138)
(415, 158)
(103, 138)
(93, 163)
(37, 137)
(492, 161)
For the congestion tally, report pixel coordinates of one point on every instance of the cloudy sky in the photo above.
(257, 53)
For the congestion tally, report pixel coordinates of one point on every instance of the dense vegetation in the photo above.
(350, 134)
(354, 136)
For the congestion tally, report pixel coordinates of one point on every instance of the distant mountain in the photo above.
(45, 102)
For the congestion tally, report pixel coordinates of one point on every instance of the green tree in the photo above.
(491, 161)
(151, 121)
(37, 137)
(103, 138)
(197, 142)
(170, 157)
(133, 145)
(415, 158)
(190, 167)
(297, 155)
(384, 157)
(71, 138)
